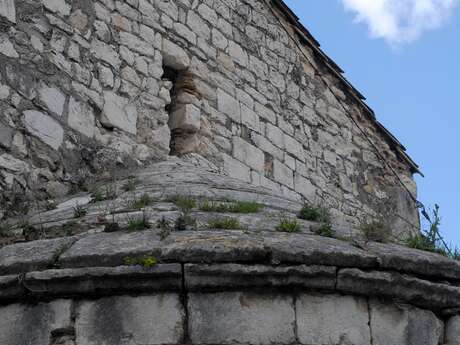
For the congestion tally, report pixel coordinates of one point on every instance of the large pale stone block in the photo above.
(241, 318)
(228, 105)
(236, 169)
(294, 147)
(248, 154)
(22, 324)
(395, 324)
(174, 56)
(453, 331)
(304, 187)
(57, 6)
(8, 10)
(187, 117)
(44, 128)
(53, 98)
(119, 112)
(6, 136)
(283, 174)
(105, 53)
(152, 320)
(333, 319)
(7, 48)
(81, 117)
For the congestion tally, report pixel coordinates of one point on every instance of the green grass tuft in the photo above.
(243, 207)
(138, 224)
(288, 225)
(225, 224)
(315, 214)
(144, 261)
(144, 201)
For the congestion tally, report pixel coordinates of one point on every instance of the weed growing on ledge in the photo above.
(185, 203)
(225, 224)
(79, 211)
(144, 261)
(107, 193)
(376, 231)
(325, 230)
(165, 228)
(315, 214)
(288, 225)
(130, 185)
(144, 201)
(244, 207)
(431, 240)
(138, 224)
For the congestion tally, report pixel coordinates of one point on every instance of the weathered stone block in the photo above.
(187, 118)
(22, 324)
(6, 136)
(7, 48)
(236, 169)
(156, 319)
(8, 10)
(228, 105)
(283, 174)
(53, 99)
(304, 187)
(174, 56)
(453, 331)
(236, 317)
(119, 112)
(81, 117)
(399, 324)
(248, 154)
(57, 6)
(44, 128)
(332, 319)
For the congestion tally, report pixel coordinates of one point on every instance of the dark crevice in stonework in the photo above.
(183, 110)
(368, 301)
(184, 300)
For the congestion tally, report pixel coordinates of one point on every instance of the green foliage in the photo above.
(165, 228)
(112, 227)
(79, 211)
(376, 231)
(225, 224)
(54, 261)
(109, 192)
(185, 203)
(244, 207)
(144, 201)
(69, 226)
(325, 230)
(130, 185)
(184, 222)
(138, 224)
(431, 240)
(144, 261)
(315, 214)
(288, 225)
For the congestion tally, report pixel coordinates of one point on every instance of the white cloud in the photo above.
(400, 21)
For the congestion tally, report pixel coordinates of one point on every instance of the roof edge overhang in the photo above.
(307, 38)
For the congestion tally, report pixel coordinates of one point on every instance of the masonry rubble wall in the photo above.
(87, 87)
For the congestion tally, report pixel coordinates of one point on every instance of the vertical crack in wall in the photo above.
(184, 300)
(184, 112)
(370, 320)
(296, 330)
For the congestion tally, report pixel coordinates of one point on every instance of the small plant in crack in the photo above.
(107, 193)
(144, 261)
(244, 207)
(185, 203)
(130, 185)
(165, 228)
(185, 222)
(79, 211)
(138, 224)
(225, 224)
(54, 261)
(289, 225)
(376, 231)
(324, 229)
(144, 201)
(315, 214)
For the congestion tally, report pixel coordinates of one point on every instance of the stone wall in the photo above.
(87, 87)
(237, 317)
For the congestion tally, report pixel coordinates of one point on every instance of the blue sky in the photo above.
(410, 78)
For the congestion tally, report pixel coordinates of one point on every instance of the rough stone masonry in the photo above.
(87, 87)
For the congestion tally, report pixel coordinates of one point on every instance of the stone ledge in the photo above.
(423, 293)
(233, 276)
(91, 281)
(103, 281)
